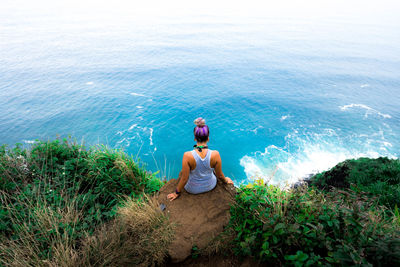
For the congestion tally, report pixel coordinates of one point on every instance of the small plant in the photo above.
(303, 259)
(195, 252)
(308, 227)
(41, 187)
(396, 214)
(379, 178)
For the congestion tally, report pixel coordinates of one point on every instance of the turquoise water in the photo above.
(284, 97)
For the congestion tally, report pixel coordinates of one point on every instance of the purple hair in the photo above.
(201, 131)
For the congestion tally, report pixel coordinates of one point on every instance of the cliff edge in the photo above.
(198, 218)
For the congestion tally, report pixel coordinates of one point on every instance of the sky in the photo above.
(387, 10)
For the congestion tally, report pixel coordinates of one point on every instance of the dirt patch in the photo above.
(217, 261)
(198, 218)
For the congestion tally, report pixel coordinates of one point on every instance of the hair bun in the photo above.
(200, 122)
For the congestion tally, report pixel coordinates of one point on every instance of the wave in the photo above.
(255, 130)
(29, 141)
(305, 154)
(132, 126)
(136, 94)
(151, 136)
(369, 110)
(135, 132)
(284, 117)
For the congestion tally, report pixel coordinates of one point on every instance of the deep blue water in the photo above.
(284, 97)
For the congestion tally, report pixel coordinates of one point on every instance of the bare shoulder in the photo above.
(188, 155)
(215, 155)
(189, 159)
(215, 159)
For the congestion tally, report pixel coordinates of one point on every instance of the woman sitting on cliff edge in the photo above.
(200, 167)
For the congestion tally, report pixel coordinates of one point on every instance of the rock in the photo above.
(306, 180)
(198, 218)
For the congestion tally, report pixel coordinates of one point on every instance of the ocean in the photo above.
(284, 96)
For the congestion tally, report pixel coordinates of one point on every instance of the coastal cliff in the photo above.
(65, 205)
(198, 218)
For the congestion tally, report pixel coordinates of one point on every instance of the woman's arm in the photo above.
(183, 177)
(218, 169)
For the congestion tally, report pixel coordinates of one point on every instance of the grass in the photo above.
(57, 193)
(41, 241)
(65, 205)
(308, 227)
(379, 178)
(139, 236)
(348, 216)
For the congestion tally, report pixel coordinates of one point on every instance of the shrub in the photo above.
(377, 177)
(56, 176)
(308, 227)
(139, 236)
(46, 240)
(13, 167)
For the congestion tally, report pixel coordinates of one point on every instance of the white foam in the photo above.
(252, 169)
(120, 141)
(284, 117)
(132, 126)
(387, 144)
(139, 107)
(256, 129)
(297, 166)
(364, 85)
(29, 141)
(89, 83)
(308, 153)
(136, 94)
(151, 136)
(369, 110)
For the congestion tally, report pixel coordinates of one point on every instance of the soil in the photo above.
(198, 218)
(217, 261)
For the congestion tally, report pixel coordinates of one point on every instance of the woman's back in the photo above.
(201, 178)
(197, 174)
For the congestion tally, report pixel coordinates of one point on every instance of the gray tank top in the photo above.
(202, 178)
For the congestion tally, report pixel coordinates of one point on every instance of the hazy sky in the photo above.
(376, 10)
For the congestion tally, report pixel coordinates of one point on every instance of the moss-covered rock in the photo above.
(379, 178)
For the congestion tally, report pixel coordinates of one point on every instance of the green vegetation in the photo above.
(306, 227)
(195, 252)
(56, 194)
(64, 205)
(348, 216)
(379, 178)
(139, 236)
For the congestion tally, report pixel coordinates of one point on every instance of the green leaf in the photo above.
(290, 257)
(279, 226)
(301, 256)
